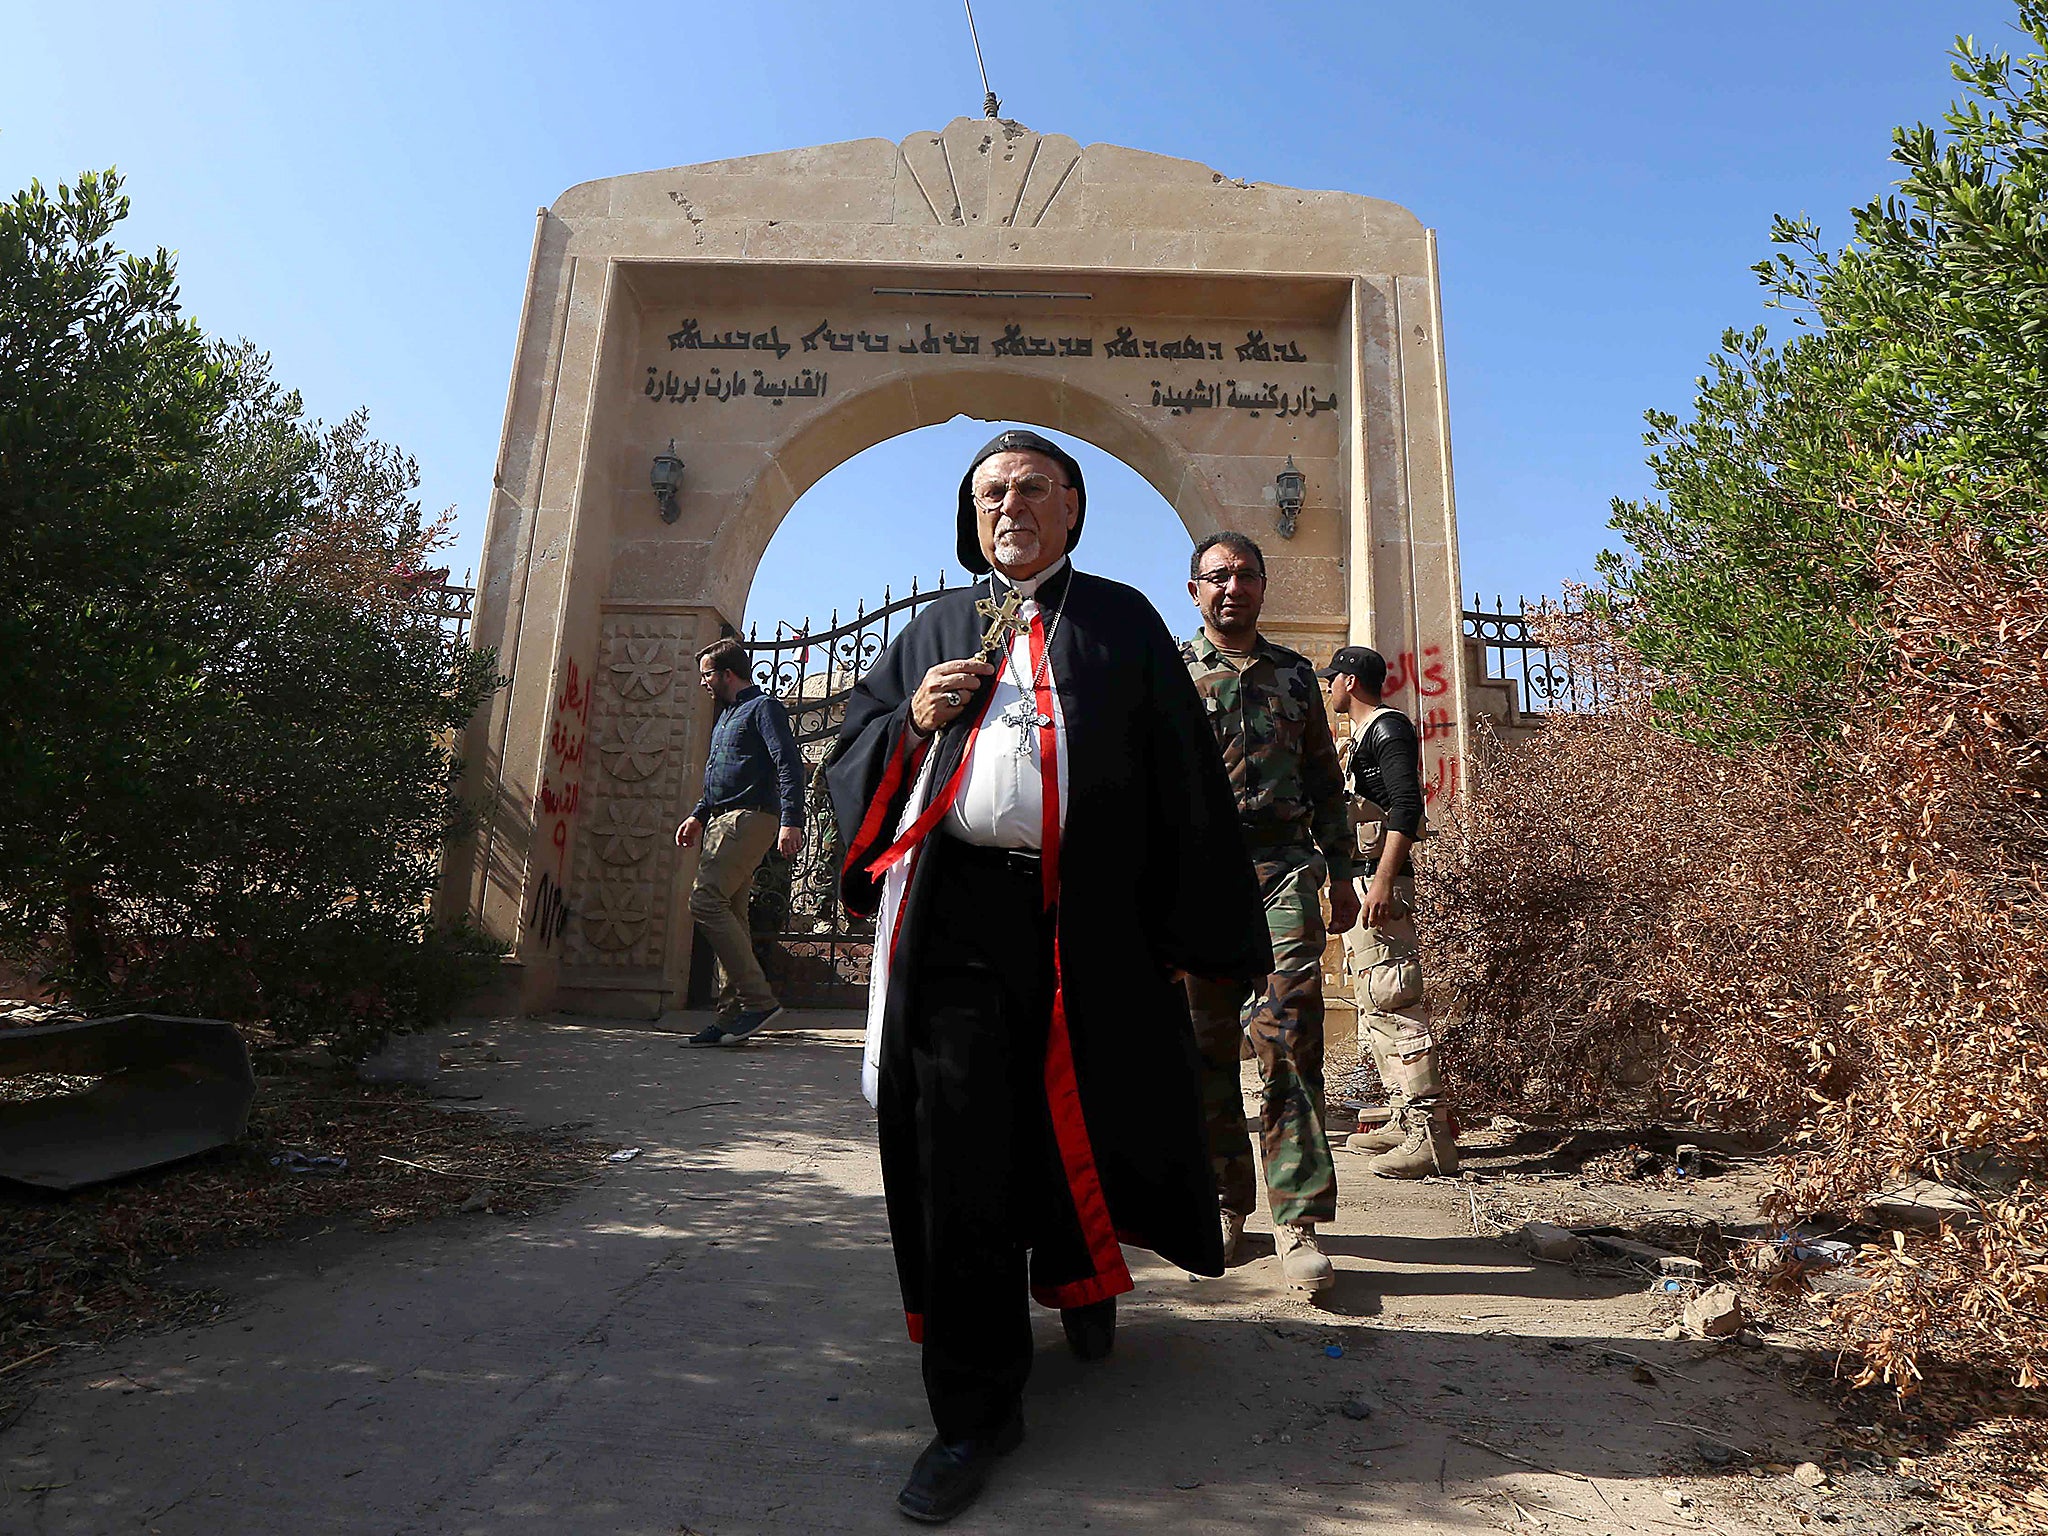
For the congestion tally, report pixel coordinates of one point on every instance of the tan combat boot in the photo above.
(1384, 1137)
(1303, 1264)
(1233, 1235)
(1427, 1148)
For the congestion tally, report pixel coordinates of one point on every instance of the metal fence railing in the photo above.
(821, 951)
(1552, 680)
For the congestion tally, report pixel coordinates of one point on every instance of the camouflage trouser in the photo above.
(1285, 1023)
(1385, 967)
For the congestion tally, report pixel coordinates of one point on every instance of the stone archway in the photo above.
(903, 405)
(774, 316)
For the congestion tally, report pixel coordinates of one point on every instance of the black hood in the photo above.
(1015, 441)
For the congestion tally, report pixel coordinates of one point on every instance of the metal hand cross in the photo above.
(1004, 622)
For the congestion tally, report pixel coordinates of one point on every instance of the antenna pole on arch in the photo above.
(990, 107)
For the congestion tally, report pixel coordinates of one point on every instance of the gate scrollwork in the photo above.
(815, 952)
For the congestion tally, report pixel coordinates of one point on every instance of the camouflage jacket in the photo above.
(1274, 734)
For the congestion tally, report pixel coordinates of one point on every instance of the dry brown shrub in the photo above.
(1842, 941)
(1947, 969)
(1614, 924)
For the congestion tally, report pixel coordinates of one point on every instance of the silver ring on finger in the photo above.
(952, 697)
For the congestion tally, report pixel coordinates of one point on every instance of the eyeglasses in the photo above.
(991, 494)
(1223, 578)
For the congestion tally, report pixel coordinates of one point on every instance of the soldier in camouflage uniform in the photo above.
(1267, 711)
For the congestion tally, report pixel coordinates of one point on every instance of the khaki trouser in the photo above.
(735, 842)
(1385, 967)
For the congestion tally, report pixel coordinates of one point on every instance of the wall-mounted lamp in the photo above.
(667, 476)
(1287, 489)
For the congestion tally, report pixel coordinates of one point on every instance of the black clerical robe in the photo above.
(1148, 875)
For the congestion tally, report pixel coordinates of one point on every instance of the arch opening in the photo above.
(969, 406)
(868, 527)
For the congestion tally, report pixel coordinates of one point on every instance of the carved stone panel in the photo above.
(641, 721)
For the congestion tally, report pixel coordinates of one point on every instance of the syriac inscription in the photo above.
(723, 383)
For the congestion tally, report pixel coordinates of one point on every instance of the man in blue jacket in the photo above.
(753, 796)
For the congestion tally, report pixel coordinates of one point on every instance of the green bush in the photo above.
(225, 724)
(1914, 401)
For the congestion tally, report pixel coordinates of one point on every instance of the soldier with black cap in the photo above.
(1035, 811)
(1384, 765)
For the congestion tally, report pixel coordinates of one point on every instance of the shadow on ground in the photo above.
(711, 1341)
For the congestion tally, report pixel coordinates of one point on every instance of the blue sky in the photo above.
(353, 189)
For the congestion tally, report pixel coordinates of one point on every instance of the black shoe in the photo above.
(710, 1034)
(1091, 1330)
(948, 1478)
(749, 1021)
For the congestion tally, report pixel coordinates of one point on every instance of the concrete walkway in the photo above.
(709, 1341)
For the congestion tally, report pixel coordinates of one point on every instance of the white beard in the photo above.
(1016, 546)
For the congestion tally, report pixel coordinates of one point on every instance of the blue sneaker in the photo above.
(710, 1034)
(749, 1021)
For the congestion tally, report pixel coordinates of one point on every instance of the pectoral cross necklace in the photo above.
(1023, 718)
(1006, 622)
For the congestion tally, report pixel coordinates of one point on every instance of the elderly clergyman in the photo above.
(1032, 802)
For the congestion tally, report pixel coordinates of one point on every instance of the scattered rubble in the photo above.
(1970, 1439)
(324, 1165)
(1614, 1246)
(1716, 1313)
(408, 1061)
(1552, 1244)
(1922, 1205)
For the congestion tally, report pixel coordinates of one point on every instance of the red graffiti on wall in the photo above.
(1437, 723)
(1442, 777)
(1401, 671)
(561, 780)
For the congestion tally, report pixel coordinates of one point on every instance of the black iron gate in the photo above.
(1553, 679)
(815, 954)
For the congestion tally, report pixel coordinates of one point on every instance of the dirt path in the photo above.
(710, 1341)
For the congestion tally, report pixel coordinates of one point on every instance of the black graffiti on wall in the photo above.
(549, 913)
